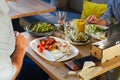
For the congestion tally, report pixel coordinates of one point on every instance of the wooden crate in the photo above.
(106, 54)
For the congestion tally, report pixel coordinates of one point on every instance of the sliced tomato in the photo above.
(38, 46)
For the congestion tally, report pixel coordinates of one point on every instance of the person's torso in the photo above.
(116, 9)
(7, 43)
(7, 37)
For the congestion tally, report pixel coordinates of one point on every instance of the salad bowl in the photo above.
(41, 29)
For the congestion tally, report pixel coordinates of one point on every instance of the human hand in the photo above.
(16, 33)
(21, 43)
(92, 19)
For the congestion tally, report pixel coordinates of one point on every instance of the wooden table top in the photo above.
(57, 69)
(24, 8)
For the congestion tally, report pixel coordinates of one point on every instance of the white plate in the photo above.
(53, 55)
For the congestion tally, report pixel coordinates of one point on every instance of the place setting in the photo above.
(70, 31)
(46, 45)
(77, 32)
(56, 42)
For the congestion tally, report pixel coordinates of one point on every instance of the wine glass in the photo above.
(61, 16)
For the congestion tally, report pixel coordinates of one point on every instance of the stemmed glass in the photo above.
(61, 16)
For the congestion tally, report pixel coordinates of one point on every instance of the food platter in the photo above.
(55, 54)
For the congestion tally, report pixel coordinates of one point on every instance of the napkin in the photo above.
(88, 64)
(100, 44)
(89, 70)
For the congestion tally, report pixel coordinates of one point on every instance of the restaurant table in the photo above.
(24, 8)
(58, 69)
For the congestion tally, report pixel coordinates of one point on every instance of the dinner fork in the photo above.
(66, 54)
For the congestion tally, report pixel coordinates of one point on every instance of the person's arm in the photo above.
(108, 15)
(92, 19)
(18, 55)
(106, 19)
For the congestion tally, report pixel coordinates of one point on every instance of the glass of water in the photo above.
(61, 16)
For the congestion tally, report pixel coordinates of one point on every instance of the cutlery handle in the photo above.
(58, 58)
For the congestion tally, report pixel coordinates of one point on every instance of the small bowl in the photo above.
(29, 28)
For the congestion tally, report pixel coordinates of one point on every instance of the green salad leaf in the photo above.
(42, 27)
(94, 29)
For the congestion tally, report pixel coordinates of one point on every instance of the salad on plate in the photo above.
(96, 31)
